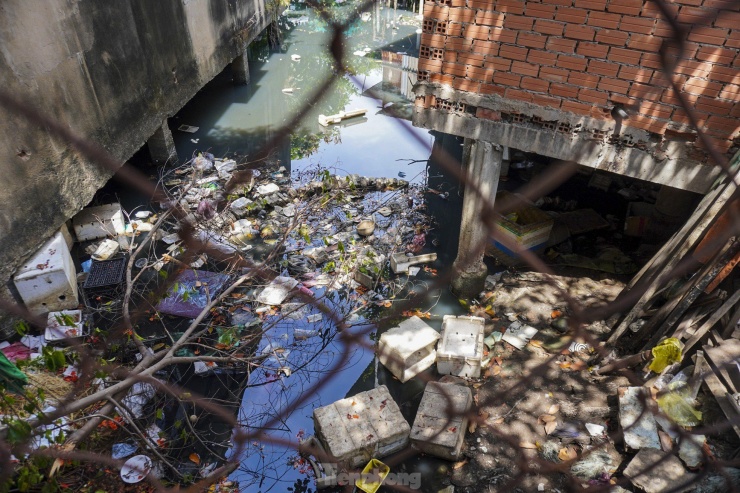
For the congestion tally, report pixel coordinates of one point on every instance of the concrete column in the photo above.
(672, 207)
(482, 161)
(161, 145)
(240, 68)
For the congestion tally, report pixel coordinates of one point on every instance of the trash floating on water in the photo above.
(188, 128)
(295, 57)
(136, 468)
(342, 115)
(288, 90)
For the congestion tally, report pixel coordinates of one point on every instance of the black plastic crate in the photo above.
(106, 273)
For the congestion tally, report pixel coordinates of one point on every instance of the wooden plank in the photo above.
(721, 396)
(701, 331)
(660, 267)
(731, 326)
(722, 359)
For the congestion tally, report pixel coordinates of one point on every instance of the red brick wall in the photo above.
(584, 56)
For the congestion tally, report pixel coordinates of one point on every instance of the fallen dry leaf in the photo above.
(195, 458)
(556, 314)
(527, 445)
(472, 427)
(458, 465)
(535, 343)
(550, 426)
(567, 453)
(553, 409)
(484, 414)
(498, 421)
(547, 418)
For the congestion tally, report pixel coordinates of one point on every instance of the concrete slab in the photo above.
(638, 423)
(359, 428)
(440, 423)
(656, 471)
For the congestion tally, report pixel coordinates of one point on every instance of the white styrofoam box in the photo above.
(99, 222)
(48, 280)
(460, 350)
(441, 421)
(359, 428)
(65, 324)
(106, 250)
(67, 236)
(408, 349)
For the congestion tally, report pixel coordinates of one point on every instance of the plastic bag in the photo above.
(665, 353)
(679, 406)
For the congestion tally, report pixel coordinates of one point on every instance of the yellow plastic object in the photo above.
(679, 406)
(666, 353)
(373, 476)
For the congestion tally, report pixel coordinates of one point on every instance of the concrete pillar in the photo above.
(240, 68)
(161, 145)
(482, 161)
(673, 206)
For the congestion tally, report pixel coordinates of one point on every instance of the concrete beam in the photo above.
(240, 68)
(482, 161)
(161, 145)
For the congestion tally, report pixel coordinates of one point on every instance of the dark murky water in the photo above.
(240, 120)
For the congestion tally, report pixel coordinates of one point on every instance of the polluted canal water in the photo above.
(307, 363)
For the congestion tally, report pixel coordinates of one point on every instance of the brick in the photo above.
(454, 29)
(492, 89)
(663, 29)
(450, 56)
(590, 4)
(484, 18)
(498, 63)
(714, 106)
(723, 145)
(546, 101)
(441, 79)
(733, 40)
(433, 40)
(430, 65)
(481, 74)
(609, 69)
(716, 54)
(561, 45)
(716, 4)
(628, 7)
(484, 47)
(518, 95)
(457, 3)
(564, 90)
(509, 6)
(592, 50)
(503, 35)
(533, 84)
(506, 79)
(709, 35)
(518, 22)
(563, 3)
(604, 19)
(554, 74)
(669, 97)
(697, 16)
(724, 74)
(622, 99)
(635, 74)
(731, 92)
(453, 69)
(513, 52)
(477, 32)
(467, 16)
(466, 85)
(729, 125)
(572, 16)
(639, 25)
(577, 108)
(542, 57)
(730, 20)
(438, 12)
(612, 37)
(543, 26)
(680, 117)
(524, 68)
(655, 110)
(644, 42)
(584, 80)
(471, 59)
(572, 62)
(702, 87)
(592, 96)
(623, 55)
(585, 33)
(651, 60)
(531, 40)
(614, 85)
(638, 90)
(539, 10)
(488, 114)
(652, 11)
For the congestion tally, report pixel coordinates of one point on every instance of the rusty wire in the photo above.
(672, 51)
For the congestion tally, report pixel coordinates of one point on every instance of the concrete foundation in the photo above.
(161, 145)
(240, 68)
(482, 161)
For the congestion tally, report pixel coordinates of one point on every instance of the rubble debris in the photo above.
(359, 428)
(441, 421)
(408, 349)
(656, 471)
(460, 350)
(400, 262)
(638, 424)
(277, 291)
(519, 334)
(192, 290)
